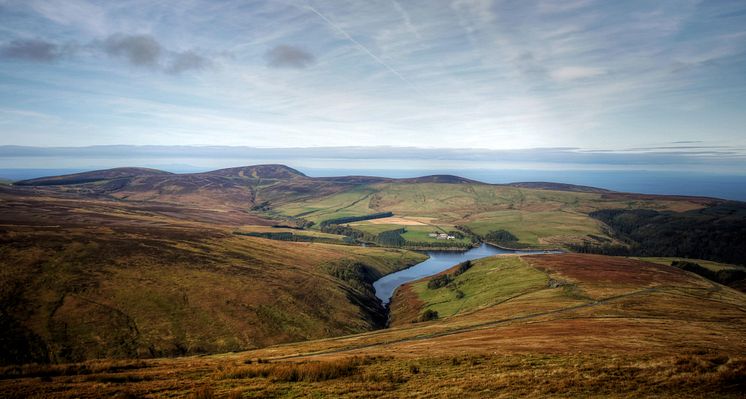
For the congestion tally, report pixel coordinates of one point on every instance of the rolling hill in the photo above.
(538, 214)
(89, 278)
(137, 263)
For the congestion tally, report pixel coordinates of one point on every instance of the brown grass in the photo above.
(88, 278)
(395, 220)
(55, 370)
(203, 393)
(295, 372)
(690, 374)
(617, 271)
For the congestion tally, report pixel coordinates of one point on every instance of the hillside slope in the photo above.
(596, 327)
(91, 177)
(89, 278)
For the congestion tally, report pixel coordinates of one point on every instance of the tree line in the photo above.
(352, 219)
(714, 233)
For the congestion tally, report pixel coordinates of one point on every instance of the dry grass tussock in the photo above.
(685, 375)
(73, 369)
(311, 371)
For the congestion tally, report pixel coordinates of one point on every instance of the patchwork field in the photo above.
(539, 218)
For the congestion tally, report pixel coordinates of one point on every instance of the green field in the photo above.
(488, 282)
(374, 229)
(415, 234)
(539, 218)
(420, 234)
(536, 228)
(350, 203)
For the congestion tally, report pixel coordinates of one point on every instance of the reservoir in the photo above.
(436, 263)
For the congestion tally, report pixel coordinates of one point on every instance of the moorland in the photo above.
(257, 281)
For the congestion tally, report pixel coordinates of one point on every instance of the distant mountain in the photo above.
(258, 172)
(90, 177)
(239, 186)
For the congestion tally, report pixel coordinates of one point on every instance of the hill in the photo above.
(537, 214)
(91, 177)
(571, 326)
(139, 253)
(87, 278)
(258, 172)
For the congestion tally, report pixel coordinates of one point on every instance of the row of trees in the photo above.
(391, 238)
(498, 236)
(288, 236)
(352, 219)
(723, 276)
(443, 280)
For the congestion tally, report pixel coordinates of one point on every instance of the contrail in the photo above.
(362, 47)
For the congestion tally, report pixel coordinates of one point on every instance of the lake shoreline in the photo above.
(437, 262)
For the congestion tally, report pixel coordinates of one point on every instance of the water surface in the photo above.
(438, 261)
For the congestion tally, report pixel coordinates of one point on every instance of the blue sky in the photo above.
(623, 77)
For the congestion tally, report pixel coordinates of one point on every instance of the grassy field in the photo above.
(349, 203)
(599, 327)
(421, 234)
(539, 218)
(417, 233)
(538, 228)
(489, 281)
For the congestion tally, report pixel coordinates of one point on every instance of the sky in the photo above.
(622, 78)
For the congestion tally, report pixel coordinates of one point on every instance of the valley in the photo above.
(261, 281)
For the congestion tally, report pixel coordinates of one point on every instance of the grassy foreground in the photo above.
(625, 328)
(688, 375)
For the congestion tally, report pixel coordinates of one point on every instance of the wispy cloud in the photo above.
(361, 46)
(79, 14)
(448, 73)
(569, 73)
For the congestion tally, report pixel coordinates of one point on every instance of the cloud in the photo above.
(31, 50)
(79, 14)
(284, 56)
(566, 74)
(146, 51)
(186, 61)
(139, 50)
(550, 7)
